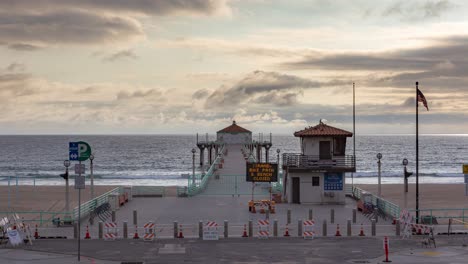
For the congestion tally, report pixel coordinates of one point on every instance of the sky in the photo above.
(188, 66)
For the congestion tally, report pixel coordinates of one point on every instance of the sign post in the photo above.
(79, 151)
(465, 172)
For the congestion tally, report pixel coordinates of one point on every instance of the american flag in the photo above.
(422, 99)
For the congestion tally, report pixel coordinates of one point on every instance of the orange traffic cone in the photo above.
(286, 232)
(87, 233)
(244, 234)
(181, 235)
(337, 230)
(419, 231)
(135, 236)
(361, 233)
(36, 234)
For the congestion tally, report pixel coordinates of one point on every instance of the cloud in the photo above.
(28, 25)
(148, 7)
(123, 54)
(200, 94)
(152, 93)
(13, 67)
(418, 10)
(262, 87)
(23, 47)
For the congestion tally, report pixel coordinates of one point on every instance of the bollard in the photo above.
(200, 229)
(226, 228)
(397, 227)
(125, 230)
(332, 216)
(311, 216)
(348, 228)
(135, 222)
(267, 214)
(324, 228)
(176, 229)
(354, 216)
(299, 228)
(250, 228)
(113, 216)
(275, 228)
(75, 230)
(288, 220)
(373, 227)
(100, 229)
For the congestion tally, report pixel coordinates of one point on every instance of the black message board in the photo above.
(262, 172)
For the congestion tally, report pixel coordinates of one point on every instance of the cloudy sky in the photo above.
(186, 66)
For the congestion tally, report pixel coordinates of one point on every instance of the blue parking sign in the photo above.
(73, 151)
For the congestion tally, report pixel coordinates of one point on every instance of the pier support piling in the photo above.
(250, 228)
(348, 228)
(354, 216)
(299, 228)
(397, 227)
(226, 229)
(275, 228)
(113, 216)
(324, 228)
(100, 229)
(135, 217)
(311, 216)
(373, 230)
(176, 229)
(332, 216)
(288, 217)
(200, 229)
(125, 230)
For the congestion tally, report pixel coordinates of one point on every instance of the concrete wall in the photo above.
(314, 194)
(311, 145)
(238, 138)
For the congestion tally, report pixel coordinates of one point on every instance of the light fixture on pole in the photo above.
(278, 157)
(193, 167)
(91, 158)
(379, 157)
(406, 174)
(66, 163)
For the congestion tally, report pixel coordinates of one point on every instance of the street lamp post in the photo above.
(278, 157)
(66, 163)
(193, 167)
(405, 201)
(379, 157)
(91, 158)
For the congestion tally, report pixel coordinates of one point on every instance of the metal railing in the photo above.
(201, 180)
(295, 160)
(39, 217)
(89, 206)
(389, 208)
(444, 214)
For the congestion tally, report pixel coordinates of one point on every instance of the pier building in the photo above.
(234, 134)
(317, 174)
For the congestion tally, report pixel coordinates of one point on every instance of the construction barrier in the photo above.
(149, 232)
(263, 229)
(210, 231)
(112, 231)
(308, 229)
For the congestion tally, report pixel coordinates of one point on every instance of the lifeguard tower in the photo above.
(317, 174)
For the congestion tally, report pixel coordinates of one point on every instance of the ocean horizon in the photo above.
(162, 159)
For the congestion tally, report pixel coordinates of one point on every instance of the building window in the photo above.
(315, 181)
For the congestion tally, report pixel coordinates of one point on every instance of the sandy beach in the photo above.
(43, 198)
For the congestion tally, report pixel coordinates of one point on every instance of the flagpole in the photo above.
(354, 136)
(417, 155)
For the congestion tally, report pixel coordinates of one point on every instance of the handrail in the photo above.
(202, 180)
(387, 207)
(297, 160)
(89, 206)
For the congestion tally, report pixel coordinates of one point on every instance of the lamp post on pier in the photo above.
(379, 156)
(405, 176)
(91, 158)
(66, 163)
(193, 166)
(277, 156)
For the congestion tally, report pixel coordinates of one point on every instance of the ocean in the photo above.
(162, 159)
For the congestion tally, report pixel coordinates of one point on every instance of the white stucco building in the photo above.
(317, 174)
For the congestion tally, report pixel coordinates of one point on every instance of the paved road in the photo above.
(285, 250)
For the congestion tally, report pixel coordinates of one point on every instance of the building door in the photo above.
(325, 150)
(296, 188)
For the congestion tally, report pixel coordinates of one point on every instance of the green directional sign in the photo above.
(83, 150)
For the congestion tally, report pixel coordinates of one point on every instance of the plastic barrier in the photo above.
(263, 229)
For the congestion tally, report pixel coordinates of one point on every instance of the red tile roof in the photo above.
(322, 130)
(234, 129)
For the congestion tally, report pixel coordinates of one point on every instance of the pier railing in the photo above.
(201, 180)
(314, 162)
(389, 208)
(89, 206)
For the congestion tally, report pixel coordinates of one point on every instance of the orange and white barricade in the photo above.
(263, 229)
(111, 231)
(149, 232)
(210, 231)
(308, 229)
